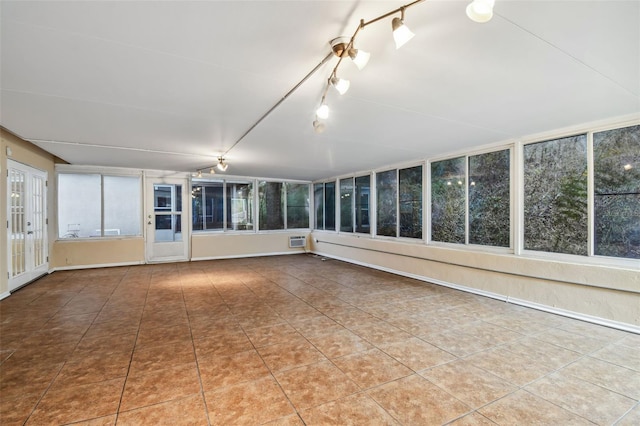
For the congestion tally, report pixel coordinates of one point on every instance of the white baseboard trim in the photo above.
(100, 265)
(4, 295)
(520, 302)
(243, 256)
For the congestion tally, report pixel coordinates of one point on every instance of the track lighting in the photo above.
(212, 171)
(340, 84)
(323, 111)
(199, 173)
(401, 33)
(222, 166)
(340, 47)
(480, 10)
(318, 126)
(359, 57)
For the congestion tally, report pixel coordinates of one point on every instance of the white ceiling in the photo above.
(173, 84)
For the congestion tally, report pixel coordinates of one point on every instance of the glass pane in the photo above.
(489, 199)
(346, 205)
(168, 228)
(207, 203)
(239, 206)
(330, 206)
(363, 193)
(38, 220)
(318, 202)
(297, 206)
(163, 198)
(387, 203)
(555, 195)
(122, 205)
(448, 200)
(617, 192)
(410, 196)
(271, 205)
(79, 205)
(18, 229)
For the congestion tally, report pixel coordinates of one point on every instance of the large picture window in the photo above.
(271, 200)
(96, 205)
(489, 199)
(207, 205)
(448, 200)
(386, 205)
(555, 195)
(362, 198)
(616, 156)
(239, 201)
(297, 205)
(410, 202)
(318, 204)
(330, 206)
(346, 205)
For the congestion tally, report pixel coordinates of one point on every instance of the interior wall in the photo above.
(16, 149)
(606, 294)
(220, 246)
(89, 253)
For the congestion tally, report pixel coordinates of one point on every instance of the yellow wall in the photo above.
(30, 155)
(68, 254)
(605, 292)
(214, 246)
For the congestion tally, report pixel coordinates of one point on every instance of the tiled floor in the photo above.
(299, 340)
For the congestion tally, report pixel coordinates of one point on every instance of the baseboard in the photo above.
(4, 295)
(520, 302)
(243, 256)
(100, 265)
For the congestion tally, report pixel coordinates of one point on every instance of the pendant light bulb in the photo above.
(480, 11)
(212, 171)
(318, 126)
(323, 111)
(340, 84)
(222, 166)
(199, 173)
(359, 57)
(401, 33)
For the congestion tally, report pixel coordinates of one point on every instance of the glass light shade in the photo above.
(401, 33)
(359, 57)
(222, 166)
(323, 111)
(318, 126)
(480, 11)
(340, 84)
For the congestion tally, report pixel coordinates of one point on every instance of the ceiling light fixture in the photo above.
(222, 166)
(323, 111)
(340, 84)
(480, 11)
(401, 33)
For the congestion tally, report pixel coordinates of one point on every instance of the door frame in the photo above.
(184, 254)
(32, 271)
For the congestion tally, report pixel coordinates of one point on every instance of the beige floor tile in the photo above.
(15, 411)
(471, 385)
(523, 408)
(414, 400)
(578, 396)
(160, 386)
(380, 333)
(226, 370)
(163, 335)
(417, 354)
(100, 421)
(517, 369)
(68, 404)
(185, 411)
(473, 419)
(357, 409)
(153, 358)
(315, 384)
(248, 403)
(456, 342)
(371, 368)
(272, 335)
(632, 418)
(573, 342)
(316, 326)
(550, 355)
(292, 420)
(223, 344)
(621, 355)
(610, 376)
(340, 343)
(286, 356)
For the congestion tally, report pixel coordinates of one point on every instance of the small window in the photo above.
(362, 197)
(410, 202)
(271, 201)
(297, 205)
(448, 200)
(387, 211)
(346, 205)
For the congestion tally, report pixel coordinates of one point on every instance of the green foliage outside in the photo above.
(448, 200)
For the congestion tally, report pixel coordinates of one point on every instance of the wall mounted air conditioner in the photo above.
(295, 242)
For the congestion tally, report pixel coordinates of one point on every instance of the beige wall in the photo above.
(30, 155)
(215, 246)
(68, 254)
(604, 292)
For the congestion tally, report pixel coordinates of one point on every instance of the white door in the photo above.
(167, 214)
(27, 224)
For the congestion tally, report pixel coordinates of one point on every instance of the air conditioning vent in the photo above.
(295, 242)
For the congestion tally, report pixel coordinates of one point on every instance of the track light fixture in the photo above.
(480, 10)
(222, 166)
(477, 10)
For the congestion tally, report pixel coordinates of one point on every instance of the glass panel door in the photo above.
(166, 220)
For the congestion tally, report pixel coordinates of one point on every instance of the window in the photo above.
(271, 205)
(489, 195)
(362, 196)
(207, 205)
(96, 205)
(239, 206)
(410, 202)
(297, 205)
(616, 156)
(386, 194)
(346, 205)
(555, 195)
(325, 205)
(448, 200)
